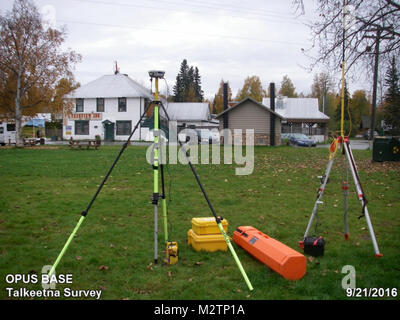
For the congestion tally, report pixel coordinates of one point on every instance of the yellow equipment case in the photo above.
(208, 225)
(205, 234)
(207, 242)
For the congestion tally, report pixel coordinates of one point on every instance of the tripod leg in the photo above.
(319, 198)
(346, 222)
(164, 204)
(361, 197)
(155, 233)
(345, 190)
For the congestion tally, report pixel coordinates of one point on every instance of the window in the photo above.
(10, 126)
(81, 127)
(79, 105)
(124, 128)
(121, 104)
(100, 105)
(1, 130)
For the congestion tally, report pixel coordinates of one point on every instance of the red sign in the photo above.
(85, 116)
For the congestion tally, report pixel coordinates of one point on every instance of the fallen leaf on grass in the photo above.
(169, 274)
(102, 267)
(311, 259)
(111, 245)
(78, 258)
(102, 288)
(150, 266)
(198, 263)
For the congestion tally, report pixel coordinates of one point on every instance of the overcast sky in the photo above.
(227, 40)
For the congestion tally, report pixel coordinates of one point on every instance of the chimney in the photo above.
(225, 99)
(272, 116)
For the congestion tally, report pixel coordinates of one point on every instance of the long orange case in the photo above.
(289, 263)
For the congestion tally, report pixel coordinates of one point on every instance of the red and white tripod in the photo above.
(344, 146)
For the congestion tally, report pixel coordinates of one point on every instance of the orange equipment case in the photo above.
(289, 263)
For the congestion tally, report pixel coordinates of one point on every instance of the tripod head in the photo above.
(156, 74)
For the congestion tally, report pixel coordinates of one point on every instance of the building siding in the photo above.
(134, 107)
(251, 116)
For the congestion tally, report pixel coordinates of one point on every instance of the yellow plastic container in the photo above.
(207, 242)
(208, 225)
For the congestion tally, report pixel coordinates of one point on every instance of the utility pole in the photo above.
(372, 126)
(378, 37)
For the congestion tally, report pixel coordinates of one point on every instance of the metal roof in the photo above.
(112, 86)
(188, 111)
(297, 108)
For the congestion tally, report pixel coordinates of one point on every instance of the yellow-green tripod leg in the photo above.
(164, 209)
(235, 257)
(53, 268)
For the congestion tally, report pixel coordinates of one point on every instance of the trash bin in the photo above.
(386, 149)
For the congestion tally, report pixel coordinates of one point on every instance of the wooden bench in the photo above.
(87, 144)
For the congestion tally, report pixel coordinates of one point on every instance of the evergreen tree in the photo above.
(181, 82)
(391, 110)
(197, 85)
(348, 113)
(188, 84)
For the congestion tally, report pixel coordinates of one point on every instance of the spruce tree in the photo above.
(180, 88)
(197, 85)
(187, 87)
(348, 114)
(391, 110)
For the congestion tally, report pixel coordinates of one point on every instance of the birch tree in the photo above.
(32, 65)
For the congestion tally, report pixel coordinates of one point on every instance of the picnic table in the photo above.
(78, 144)
(31, 141)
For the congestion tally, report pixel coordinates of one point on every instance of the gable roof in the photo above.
(252, 100)
(188, 111)
(112, 86)
(297, 108)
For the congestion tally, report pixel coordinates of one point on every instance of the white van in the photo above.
(7, 133)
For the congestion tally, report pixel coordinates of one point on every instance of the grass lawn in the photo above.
(44, 189)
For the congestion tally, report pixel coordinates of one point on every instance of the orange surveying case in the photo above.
(287, 262)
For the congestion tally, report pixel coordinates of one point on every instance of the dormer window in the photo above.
(121, 104)
(79, 105)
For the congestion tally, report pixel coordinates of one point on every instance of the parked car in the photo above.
(367, 133)
(301, 140)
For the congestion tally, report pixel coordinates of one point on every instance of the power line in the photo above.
(181, 32)
(260, 16)
(228, 7)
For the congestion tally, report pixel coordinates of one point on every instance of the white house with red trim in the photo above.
(109, 107)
